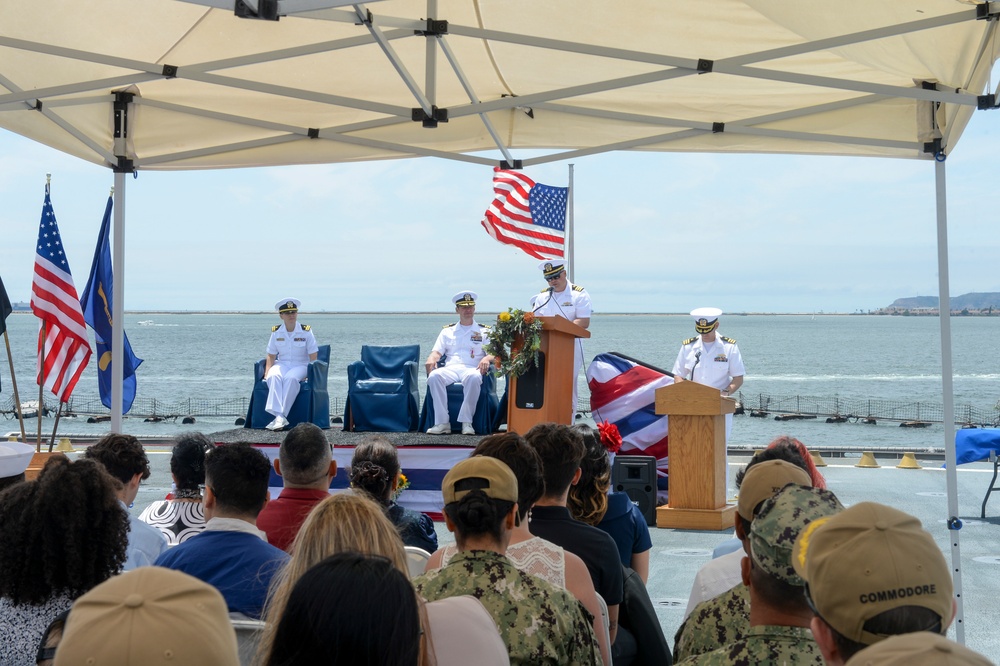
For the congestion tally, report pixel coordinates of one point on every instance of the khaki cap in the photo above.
(920, 649)
(763, 480)
(780, 520)
(869, 559)
(499, 482)
(149, 616)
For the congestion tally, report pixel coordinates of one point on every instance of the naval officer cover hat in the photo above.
(287, 305)
(705, 319)
(465, 298)
(551, 268)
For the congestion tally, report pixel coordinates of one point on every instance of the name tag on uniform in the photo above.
(303, 340)
(280, 339)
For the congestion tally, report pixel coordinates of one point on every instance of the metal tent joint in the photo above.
(125, 165)
(718, 128)
(986, 12)
(505, 165)
(705, 65)
(122, 100)
(434, 28)
(436, 116)
(170, 71)
(313, 133)
(265, 10)
(954, 523)
(986, 102)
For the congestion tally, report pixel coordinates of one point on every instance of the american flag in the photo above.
(623, 392)
(54, 300)
(527, 214)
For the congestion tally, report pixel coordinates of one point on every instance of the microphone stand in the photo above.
(697, 357)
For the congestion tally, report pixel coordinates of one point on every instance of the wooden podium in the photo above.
(697, 457)
(545, 394)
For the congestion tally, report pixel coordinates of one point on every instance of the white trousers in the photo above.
(437, 385)
(282, 387)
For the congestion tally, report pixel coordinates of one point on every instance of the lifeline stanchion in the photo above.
(909, 461)
(867, 460)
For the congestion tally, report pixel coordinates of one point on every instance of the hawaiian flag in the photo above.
(527, 214)
(623, 393)
(54, 300)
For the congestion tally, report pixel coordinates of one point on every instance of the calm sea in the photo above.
(792, 359)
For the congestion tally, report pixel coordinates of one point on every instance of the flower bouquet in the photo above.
(402, 483)
(514, 342)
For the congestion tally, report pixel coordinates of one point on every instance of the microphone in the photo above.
(538, 307)
(697, 357)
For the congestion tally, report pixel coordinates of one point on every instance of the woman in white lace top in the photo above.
(531, 554)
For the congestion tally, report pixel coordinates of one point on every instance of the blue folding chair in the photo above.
(382, 393)
(312, 404)
(487, 408)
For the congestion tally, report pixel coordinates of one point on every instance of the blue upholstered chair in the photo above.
(382, 393)
(487, 408)
(312, 404)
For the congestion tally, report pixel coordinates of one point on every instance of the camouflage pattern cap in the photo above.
(763, 480)
(780, 520)
(919, 649)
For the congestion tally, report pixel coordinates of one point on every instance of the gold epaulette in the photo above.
(275, 328)
(544, 291)
(305, 327)
(577, 287)
(450, 325)
(689, 340)
(729, 340)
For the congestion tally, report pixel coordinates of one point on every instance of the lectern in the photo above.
(544, 394)
(697, 457)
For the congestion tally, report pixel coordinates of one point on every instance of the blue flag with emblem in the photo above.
(97, 306)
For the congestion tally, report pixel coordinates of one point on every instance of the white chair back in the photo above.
(605, 620)
(416, 560)
(247, 637)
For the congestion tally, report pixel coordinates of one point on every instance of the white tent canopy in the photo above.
(203, 84)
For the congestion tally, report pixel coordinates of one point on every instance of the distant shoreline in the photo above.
(486, 312)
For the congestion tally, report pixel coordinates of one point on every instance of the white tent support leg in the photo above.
(118, 315)
(948, 395)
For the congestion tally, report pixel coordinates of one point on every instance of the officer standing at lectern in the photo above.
(291, 347)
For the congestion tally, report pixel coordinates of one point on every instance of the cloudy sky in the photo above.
(654, 232)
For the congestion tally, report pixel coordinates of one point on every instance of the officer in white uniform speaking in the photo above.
(291, 347)
(710, 359)
(570, 301)
(461, 346)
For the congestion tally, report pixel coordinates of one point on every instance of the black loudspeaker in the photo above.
(531, 386)
(636, 476)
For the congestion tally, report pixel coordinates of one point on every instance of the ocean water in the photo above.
(801, 358)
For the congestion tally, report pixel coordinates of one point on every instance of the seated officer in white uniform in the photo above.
(461, 346)
(710, 359)
(564, 299)
(291, 347)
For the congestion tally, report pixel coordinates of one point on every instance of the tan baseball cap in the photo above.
(869, 559)
(149, 616)
(920, 649)
(495, 479)
(764, 480)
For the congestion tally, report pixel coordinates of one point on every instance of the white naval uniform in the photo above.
(462, 348)
(571, 303)
(292, 349)
(714, 364)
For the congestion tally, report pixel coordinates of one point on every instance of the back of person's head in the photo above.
(872, 571)
(781, 448)
(238, 476)
(919, 649)
(781, 464)
(62, 533)
(374, 467)
(561, 450)
(305, 456)
(479, 493)
(150, 615)
(522, 460)
(187, 460)
(588, 499)
(122, 455)
(349, 609)
(778, 523)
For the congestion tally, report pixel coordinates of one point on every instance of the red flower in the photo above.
(610, 437)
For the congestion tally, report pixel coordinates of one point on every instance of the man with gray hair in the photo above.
(306, 467)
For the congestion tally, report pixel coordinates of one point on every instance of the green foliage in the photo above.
(514, 342)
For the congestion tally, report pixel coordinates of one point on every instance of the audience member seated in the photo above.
(561, 451)
(231, 553)
(779, 615)
(539, 623)
(375, 470)
(14, 460)
(350, 609)
(614, 513)
(725, 618)
(62, 534)
(125, 459)
(180, 516)
(149, 616)
(50, 640)
(920, 649)
(531, 554)
(306, 467)
(894, 552)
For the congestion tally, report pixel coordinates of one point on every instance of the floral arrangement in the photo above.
(401, 484)
(514, 342)
(610, 437)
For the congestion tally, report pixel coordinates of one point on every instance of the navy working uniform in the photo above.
(290, 352)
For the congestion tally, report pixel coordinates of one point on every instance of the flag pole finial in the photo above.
(112, 192)
(48, 179)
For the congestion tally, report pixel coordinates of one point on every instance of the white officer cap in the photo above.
(551, 267)
(287, 305)
(705, 319)
(14, 458)
(465, 298)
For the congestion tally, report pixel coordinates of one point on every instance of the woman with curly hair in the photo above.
(375, 470)
(614, 513)
(181, 515)
(63, 534)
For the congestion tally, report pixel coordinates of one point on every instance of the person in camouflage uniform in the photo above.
(779, 614)
(539, 623)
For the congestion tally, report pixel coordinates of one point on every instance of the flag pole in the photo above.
(55, 426)
(41, 387)
(13, 381)
(570, 245)
(118, 307)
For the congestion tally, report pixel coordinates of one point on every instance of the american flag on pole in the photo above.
(55, 301)
(527, 214)
(623, 393)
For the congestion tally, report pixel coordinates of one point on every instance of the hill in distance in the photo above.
(970, 301)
